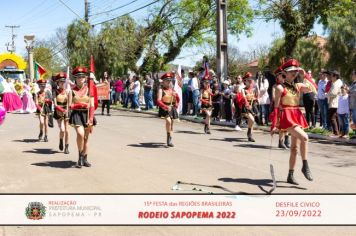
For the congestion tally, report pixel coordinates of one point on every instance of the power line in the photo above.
(126, 13)
(114, 9)
(71, 9)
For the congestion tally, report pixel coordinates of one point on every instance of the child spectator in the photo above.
(343, 110)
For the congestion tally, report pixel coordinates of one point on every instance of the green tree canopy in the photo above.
(297, 17)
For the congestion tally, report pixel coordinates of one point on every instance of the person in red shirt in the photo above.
(118, 90)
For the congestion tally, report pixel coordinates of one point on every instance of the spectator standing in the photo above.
(227, 101)
(106, 102)
(216, 99)
(194, 87)
(185, 93)
(263, 98)
(309, 105)
(112, 90)
(148, 92)
(333, 100)
(352, 98)
(127, 92)
(118, 90)
(343, 111)
(136, 92)
(323, 100)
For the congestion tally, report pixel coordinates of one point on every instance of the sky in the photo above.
(42, 17)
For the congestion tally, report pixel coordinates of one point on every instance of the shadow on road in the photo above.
(26, 140)
(42, 151)
(137, 116)
(332, 142)
(56, 164)
(225, 130)
(187, 132)
(260, 183)
(230, 139)
(148, 145)
(253, 146)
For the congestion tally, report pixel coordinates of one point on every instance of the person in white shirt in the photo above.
(333, 98)
(343, 110)
(323, 100)
(194, 88)
(136, 90)
(263, 99)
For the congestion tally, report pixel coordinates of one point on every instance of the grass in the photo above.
(324, 132)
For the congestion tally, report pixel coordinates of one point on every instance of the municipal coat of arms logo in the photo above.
(35, 211)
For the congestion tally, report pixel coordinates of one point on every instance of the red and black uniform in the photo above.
(206, 100)
(81, 111)
(44, 103)
(169, 99)
(251, 102)
(60, 109)
(291, 115)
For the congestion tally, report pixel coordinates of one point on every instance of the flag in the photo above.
(206, 69)
(92, 87)
(39, 71)
(310, 83)
(67, 84)
(178, 88)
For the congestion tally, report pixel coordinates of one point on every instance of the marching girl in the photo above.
(168, 101)
(82, 113)
(291, 119)
(206, 104)
(247, 101)
(43, 101)
(283, 138)
(61, 99)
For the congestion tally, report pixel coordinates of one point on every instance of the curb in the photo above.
(232, 125)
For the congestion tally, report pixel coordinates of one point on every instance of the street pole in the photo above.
(221, 40)
(11, 47)
(30, 40)
(86, 10)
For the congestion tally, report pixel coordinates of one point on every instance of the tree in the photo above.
(342, 44)
(45, 54)
(308, 51)
(80, 43)
(117, 41)
(185, 23)
(297, 17)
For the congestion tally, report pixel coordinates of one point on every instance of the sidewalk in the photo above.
(232, 125)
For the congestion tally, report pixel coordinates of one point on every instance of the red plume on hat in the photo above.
(61, 76)
(291, 65)
(167, 76)
(278, 70)
(79, 71)
(247, 75)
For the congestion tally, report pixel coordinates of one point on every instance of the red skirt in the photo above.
(291, 117)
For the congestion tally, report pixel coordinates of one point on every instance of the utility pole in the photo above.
(221, 39)
(11, 46)
(86, 10)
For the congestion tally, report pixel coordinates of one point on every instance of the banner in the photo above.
(103, 90)
(131, 209)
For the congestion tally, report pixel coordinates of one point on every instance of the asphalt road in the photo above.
(128, 155)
